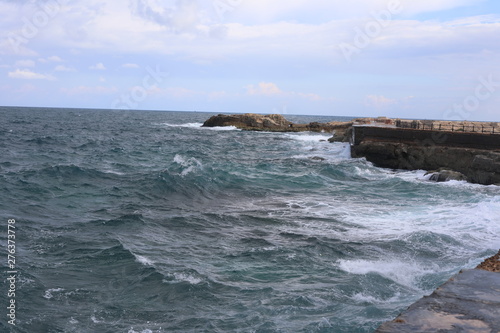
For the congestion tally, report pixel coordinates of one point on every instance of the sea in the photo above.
(146, 222)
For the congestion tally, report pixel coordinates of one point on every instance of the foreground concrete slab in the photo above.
(468, 302)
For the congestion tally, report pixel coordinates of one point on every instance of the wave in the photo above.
(192, 278)
(188, 165)
(186, 125)
(308, 137)
(200, 126)
(405, 273)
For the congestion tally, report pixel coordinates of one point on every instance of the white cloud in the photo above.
(379, 101)
(129, 65)
(271, 89)
(98, 66)
(86, 90)
(25, 63)
(50, 59)
(54, 59)
(264, 88)
(260, 11)
(26, 74)
(62, 68)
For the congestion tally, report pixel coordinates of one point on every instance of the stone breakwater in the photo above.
(474, 155)
(458, 150)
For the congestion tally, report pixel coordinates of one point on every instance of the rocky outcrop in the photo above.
(342, 131)
(491, 264)
(250, 121)
(277, 123)
(444, 175)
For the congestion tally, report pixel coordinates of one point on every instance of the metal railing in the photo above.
(457, 127)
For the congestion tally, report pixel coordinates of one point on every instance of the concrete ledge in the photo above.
(426, 137)
(468, 302)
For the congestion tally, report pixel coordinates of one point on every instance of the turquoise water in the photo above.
(146, 222)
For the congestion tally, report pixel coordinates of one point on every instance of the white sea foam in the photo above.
(184, 277)
(187, 125)
(402, 272)
(131, 330)
(113, 172)
(363, 298)
(143, 260)
(308, 137)
(49, 292)
(467, 222)
(95, 320)
(222, 128)
(199, 126)
(190, 164)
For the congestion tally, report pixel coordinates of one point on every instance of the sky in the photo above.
(426, 59)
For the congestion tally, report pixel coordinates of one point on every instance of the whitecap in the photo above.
(113, 172)
(184, 277)
(363, 298)
(95, 320)
(143, 260)
(402, 272)
(223, 128)
(143, 331)
(200, 126)
(189, 164)
(48, 293)
(187, 125)
(308, 137)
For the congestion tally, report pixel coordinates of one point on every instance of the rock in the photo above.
(341, 133)
(250, 121)
(491, 264)
(444, 175)
(275, 123)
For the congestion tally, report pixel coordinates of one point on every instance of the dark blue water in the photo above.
(145, 222)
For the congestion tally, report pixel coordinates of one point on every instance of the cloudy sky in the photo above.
(437, 59)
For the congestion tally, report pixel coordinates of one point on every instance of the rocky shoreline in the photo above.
(449, 150)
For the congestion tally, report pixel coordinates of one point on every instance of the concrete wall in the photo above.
(475, 155)
(426, 137)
